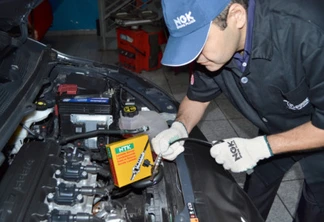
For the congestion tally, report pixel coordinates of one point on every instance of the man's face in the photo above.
(220, 47)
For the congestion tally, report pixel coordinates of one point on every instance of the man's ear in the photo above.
(238, 15)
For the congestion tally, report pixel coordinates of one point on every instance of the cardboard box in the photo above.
(126, 159)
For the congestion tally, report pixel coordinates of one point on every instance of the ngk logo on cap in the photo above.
(184, 20)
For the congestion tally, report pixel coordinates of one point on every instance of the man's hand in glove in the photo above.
(238, 155)
(161, 143)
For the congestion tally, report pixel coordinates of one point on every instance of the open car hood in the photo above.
(15, 12)
(13, 23)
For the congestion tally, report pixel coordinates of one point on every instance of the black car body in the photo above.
(50, 173)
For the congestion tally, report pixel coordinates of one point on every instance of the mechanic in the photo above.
(267, 57)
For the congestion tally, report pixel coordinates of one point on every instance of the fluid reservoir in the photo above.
(131, 118)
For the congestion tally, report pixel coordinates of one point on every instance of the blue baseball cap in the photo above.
(188, 22)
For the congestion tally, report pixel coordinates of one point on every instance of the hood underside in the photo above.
(15, 12)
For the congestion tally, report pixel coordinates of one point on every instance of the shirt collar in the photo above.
(262, 47)
(248, 39)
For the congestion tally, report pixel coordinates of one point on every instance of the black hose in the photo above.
(95, 219)
(121, 192)
(104, 173)
(117, 106)
(102, 132)
(97, 169)
(36, 136)
(92, 191)
(204, 142)
(56, 128)
(149, 182)
(121, 95)
(99, 191)
(158, 177)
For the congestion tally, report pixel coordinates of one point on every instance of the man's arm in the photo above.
(238, 154)
(190, 112)
(303, 137)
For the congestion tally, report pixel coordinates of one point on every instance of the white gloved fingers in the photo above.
(168, 152)
(164, 146)
(214, 151)
(243, 168)
(176, 149)
(160, 143)
(226, 166)
(219, 160)
(240, 169)
(238, 154)
(171, 149)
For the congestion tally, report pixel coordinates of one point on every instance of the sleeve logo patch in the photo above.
(296, 107)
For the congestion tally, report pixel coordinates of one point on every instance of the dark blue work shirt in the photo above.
(282, 86)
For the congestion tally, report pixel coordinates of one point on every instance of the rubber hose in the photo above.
(102, 132)
(148, 182)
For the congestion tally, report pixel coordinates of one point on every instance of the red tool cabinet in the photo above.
(40, 19)
(140, 49)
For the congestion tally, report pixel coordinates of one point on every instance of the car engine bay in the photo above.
(57, 167)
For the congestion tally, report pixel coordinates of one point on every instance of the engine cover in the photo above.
(26, 182)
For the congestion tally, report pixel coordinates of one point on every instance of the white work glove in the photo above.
(161, 143)
(238, 155)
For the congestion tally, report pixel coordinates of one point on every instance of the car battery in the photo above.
(140, 49)
(84, 113)
(81, 115)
